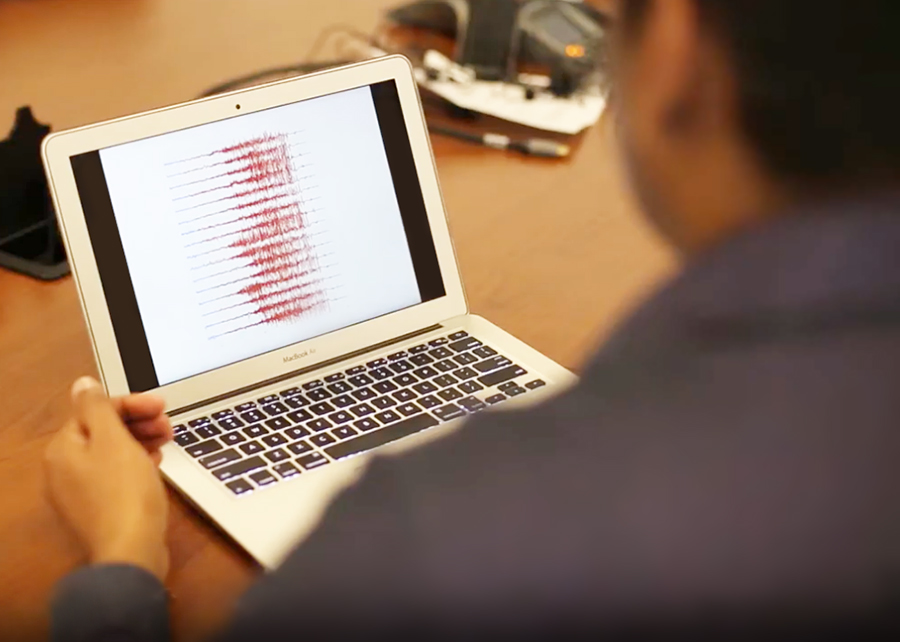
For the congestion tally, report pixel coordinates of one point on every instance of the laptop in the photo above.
(276, 264)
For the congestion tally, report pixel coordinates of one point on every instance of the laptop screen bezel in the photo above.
(60, 148)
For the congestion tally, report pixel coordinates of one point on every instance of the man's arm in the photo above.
(110, 603)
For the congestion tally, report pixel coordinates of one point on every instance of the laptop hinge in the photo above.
(303, 371)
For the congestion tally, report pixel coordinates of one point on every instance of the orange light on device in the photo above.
(575, 51)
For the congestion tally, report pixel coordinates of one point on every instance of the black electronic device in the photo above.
(496, 37)
(29, 237)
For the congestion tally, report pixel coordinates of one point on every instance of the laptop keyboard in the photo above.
(259, 443)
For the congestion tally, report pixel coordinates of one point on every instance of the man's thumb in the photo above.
(93, 409)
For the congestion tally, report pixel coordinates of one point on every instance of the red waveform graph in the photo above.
(247, 230)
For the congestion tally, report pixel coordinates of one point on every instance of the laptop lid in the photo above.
(240, 238)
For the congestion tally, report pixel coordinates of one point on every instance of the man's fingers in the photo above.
(159, 428)
(94, 411)
(139, 407)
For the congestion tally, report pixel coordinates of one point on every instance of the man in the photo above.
(730, 458)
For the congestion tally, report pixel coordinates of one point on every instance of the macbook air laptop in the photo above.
(276, 264)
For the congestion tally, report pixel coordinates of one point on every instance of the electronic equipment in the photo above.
(276, 264)
(29, 238)
(496, 37)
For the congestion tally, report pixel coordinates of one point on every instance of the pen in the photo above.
(530, 146)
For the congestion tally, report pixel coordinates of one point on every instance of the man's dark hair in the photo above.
(819, 83)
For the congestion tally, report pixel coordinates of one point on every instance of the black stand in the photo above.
(29, 238)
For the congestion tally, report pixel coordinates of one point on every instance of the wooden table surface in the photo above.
(554, 252)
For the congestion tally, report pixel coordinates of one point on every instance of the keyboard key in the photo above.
(232, 438)
(448, 412)
(537, 383)
(340, 387)
(313, 460)
(244, 407)
(253, 416)
(186, 439)
(380, 437)
(465, 358)
(205, 432)
(503, 387)
(355, 371)
(438, 342)
(338, 376)
(251, 447)
(362, 410)
(495, 399)
(301, 447)
(405, 380)
(340, 417)
(222, 414)
(268, 399)
(202, 421)
(322, 408)
(450, 394)
(380, 374)
(501, 376)
(492, 364)
(445, 380)
(300, 416)
(273, 441)
(177, 430)
(456, 336)
(361, 380)
(430, 402)
(297, 432)
(385, 387)
(318, 425)
(312, 385)
(263, 478)
(343, 401)
(239, 486)
(387, 417)
(471, 404)
(343, 432)
(220, 458)
(405, 395)
(319, 394)
(402, 366)
(290, 392)
(278, 423)
(286, 470)
(420, 360)
(277, 455)
(397, 356)
(445, 366)
(365, 425)
(426, 372)
(484, 352)
(231, 423)
(240, 468)
(322, 439)
(515, 392)
(378, 363)
(465, 344)
(364, 394)
(383, 403)
(440, 353)
(297, 402)
(255, 431)
(203, 448)
(465, 373)
(418, 349)
(424, 388)
(409, 409)
(471, 387)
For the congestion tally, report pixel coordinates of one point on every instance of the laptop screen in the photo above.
(224, 241)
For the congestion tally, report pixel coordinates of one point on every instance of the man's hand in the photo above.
(146, 419)
(105, 484)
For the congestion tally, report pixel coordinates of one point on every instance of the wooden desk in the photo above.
(553, 251)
